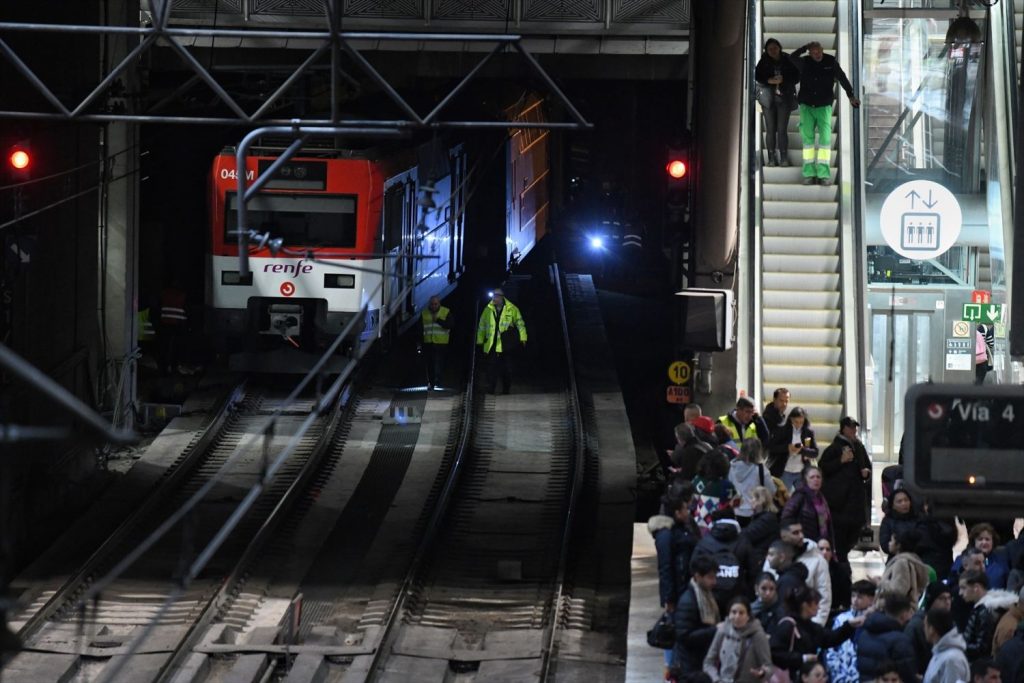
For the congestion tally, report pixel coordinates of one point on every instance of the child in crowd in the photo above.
(841, 661)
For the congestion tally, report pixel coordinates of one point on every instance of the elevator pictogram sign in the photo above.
(921, 220)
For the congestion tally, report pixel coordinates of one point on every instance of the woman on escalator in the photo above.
(776, 78)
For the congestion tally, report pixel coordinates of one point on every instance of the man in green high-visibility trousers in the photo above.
(818, 75)
(500, 333)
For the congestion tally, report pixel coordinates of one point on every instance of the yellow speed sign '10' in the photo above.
(679, 372)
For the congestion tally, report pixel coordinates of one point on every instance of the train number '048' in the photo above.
(231, 174)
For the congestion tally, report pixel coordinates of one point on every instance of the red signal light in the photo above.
(20, 159)
(676, 168)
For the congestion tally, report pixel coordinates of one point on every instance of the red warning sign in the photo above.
(287, 288)
(678, 394)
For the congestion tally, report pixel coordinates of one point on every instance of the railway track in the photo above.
(145, 608)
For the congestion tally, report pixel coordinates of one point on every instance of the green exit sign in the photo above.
(983, 313)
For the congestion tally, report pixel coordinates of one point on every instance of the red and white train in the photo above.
(356, 215)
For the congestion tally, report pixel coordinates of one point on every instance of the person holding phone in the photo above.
(846, 468)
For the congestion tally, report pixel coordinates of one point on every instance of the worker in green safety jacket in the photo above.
(497, 339)
(437, 326)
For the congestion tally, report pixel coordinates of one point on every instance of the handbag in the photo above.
(781, 674)
(663, 633)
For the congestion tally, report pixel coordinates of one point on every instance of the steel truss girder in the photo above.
(332, 39)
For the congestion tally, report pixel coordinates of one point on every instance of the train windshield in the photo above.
(301, 220)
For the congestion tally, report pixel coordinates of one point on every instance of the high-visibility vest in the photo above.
(750, 432)
(146, 329)
(433, 332)
(172, 308)
(488, 336)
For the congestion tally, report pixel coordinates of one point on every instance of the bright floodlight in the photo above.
(596, 242)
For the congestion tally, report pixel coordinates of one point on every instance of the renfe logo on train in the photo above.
(295, 269)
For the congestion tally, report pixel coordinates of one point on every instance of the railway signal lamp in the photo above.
(19, 161)
(677, 197)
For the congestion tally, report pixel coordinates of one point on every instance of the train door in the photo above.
(394, 241)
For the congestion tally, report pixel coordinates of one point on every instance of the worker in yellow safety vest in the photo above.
(497, 339)
(437, 326)
(744, 423)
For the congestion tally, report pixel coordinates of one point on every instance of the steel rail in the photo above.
(577, 463)
(433, 524)
(165, 488)
(269, 527)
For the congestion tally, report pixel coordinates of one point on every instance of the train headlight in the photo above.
(597, 242)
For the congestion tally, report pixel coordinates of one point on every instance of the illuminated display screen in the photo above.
(968, 437)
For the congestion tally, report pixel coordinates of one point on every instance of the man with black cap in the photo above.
(846, 473)
(501, 332)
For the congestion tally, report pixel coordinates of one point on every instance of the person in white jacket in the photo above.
(807, 554)
(949, 650)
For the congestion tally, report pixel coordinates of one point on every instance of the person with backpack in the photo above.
(685, 457)
(712, 489)
(675, 537)
(746, 473)
(905, 573)
(883, 639)
(720, 545)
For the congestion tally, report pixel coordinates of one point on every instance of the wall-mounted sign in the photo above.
(921, 220)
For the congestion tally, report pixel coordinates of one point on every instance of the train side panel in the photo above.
(527, 194)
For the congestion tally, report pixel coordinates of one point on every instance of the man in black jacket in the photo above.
(696, 617)
(818, 74)
(846, 473)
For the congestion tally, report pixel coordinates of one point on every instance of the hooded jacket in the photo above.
(674, 543)
(734, 652)
(818, 577)
(746, 476)
(949, 660)
(1007, 626)
(981, 624)
(905, 574)
(882, 639)
(755, 540)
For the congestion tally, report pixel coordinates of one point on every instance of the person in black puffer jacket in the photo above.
(883, 640)
(901, 516)
(720, 544)
(796, 639)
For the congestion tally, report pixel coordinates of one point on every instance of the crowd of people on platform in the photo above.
(753, 538)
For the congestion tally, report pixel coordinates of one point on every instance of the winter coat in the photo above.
(489, 335)
(755, 539)
(674, 543)
(981, 624)
(774, 419)
(894, 524)
(710, 495)
(1011, 658)
(693, 636)
(1006, 626)
(801, 507)
(842, 484)
(841, 661)
(949, 660)
(817, 79)
(997, 568)
(818, 577)
(768, 615)
(938, 536)
(922, 648)
(788, 649)
(790, 578)
(734, 652)
(778, 447)
(720, 543)
(765, 69)
(882, 639)
(746, 476)
(905, 574)
(687, 456)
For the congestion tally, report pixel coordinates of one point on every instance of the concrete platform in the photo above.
(643, 662)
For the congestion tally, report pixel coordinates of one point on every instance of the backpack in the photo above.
(892, 480)
(729, 570)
